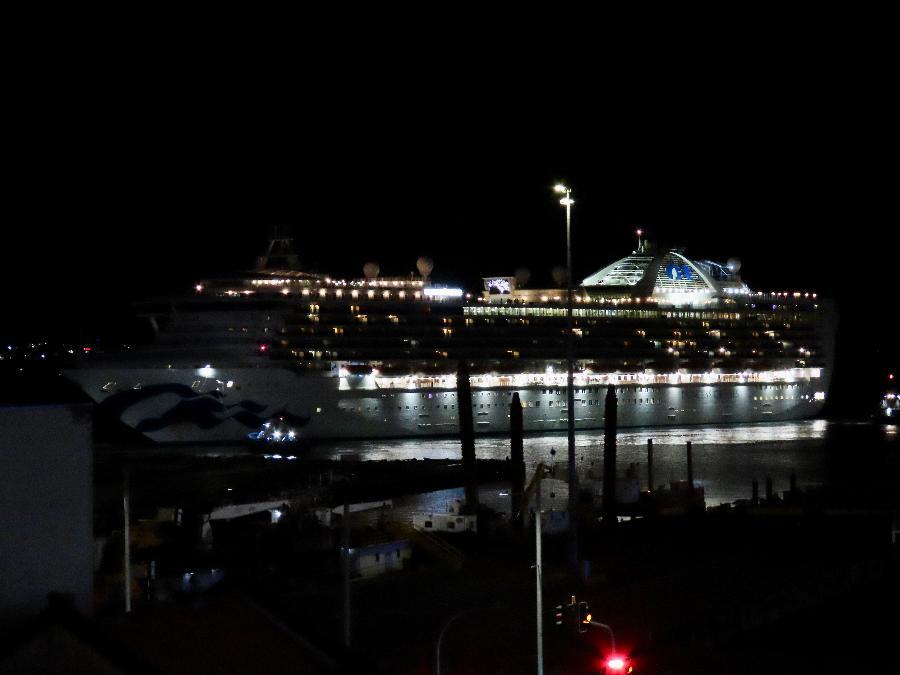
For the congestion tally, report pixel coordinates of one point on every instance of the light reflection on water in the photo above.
(726, 458)
(497, 447)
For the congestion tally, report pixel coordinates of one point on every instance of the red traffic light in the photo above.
(618, 664)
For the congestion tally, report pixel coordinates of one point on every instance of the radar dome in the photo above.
(559, 275)
(523, 274)
(734, 265)
(425, 265)
(371, 270)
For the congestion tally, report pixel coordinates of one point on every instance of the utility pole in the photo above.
(346, 570)
(535, 487)
(126, 511)
(538, 575)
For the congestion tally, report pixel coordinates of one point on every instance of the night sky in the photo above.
(136, 178)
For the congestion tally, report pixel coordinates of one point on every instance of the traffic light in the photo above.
(558, 615)
(618, 665)
(583, 616)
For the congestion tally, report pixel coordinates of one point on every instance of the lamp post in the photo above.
(437, 650)
(612, 637)
(567, 201)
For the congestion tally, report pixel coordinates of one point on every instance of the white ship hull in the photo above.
(178, 406)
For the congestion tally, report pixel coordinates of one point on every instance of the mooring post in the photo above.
(610, 428)
(517, 457)
(467, 436)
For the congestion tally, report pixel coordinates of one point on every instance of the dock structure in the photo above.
(467, 436)
(517, 456)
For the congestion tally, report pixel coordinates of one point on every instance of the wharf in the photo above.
(203, 481)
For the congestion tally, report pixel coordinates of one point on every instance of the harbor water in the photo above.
(726, 459)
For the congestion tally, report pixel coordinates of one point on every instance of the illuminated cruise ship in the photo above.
(684, 341)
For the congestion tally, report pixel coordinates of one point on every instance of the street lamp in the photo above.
(567, 201)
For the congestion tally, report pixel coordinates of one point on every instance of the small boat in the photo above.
(890, 407)
(275, 430)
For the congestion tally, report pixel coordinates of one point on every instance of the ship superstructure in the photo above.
(685, 342)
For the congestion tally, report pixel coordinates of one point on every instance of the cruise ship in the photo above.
(309, 356)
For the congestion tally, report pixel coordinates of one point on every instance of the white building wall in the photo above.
(46, 509)
(371, 562)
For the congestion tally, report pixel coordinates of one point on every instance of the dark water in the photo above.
(725, 458)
